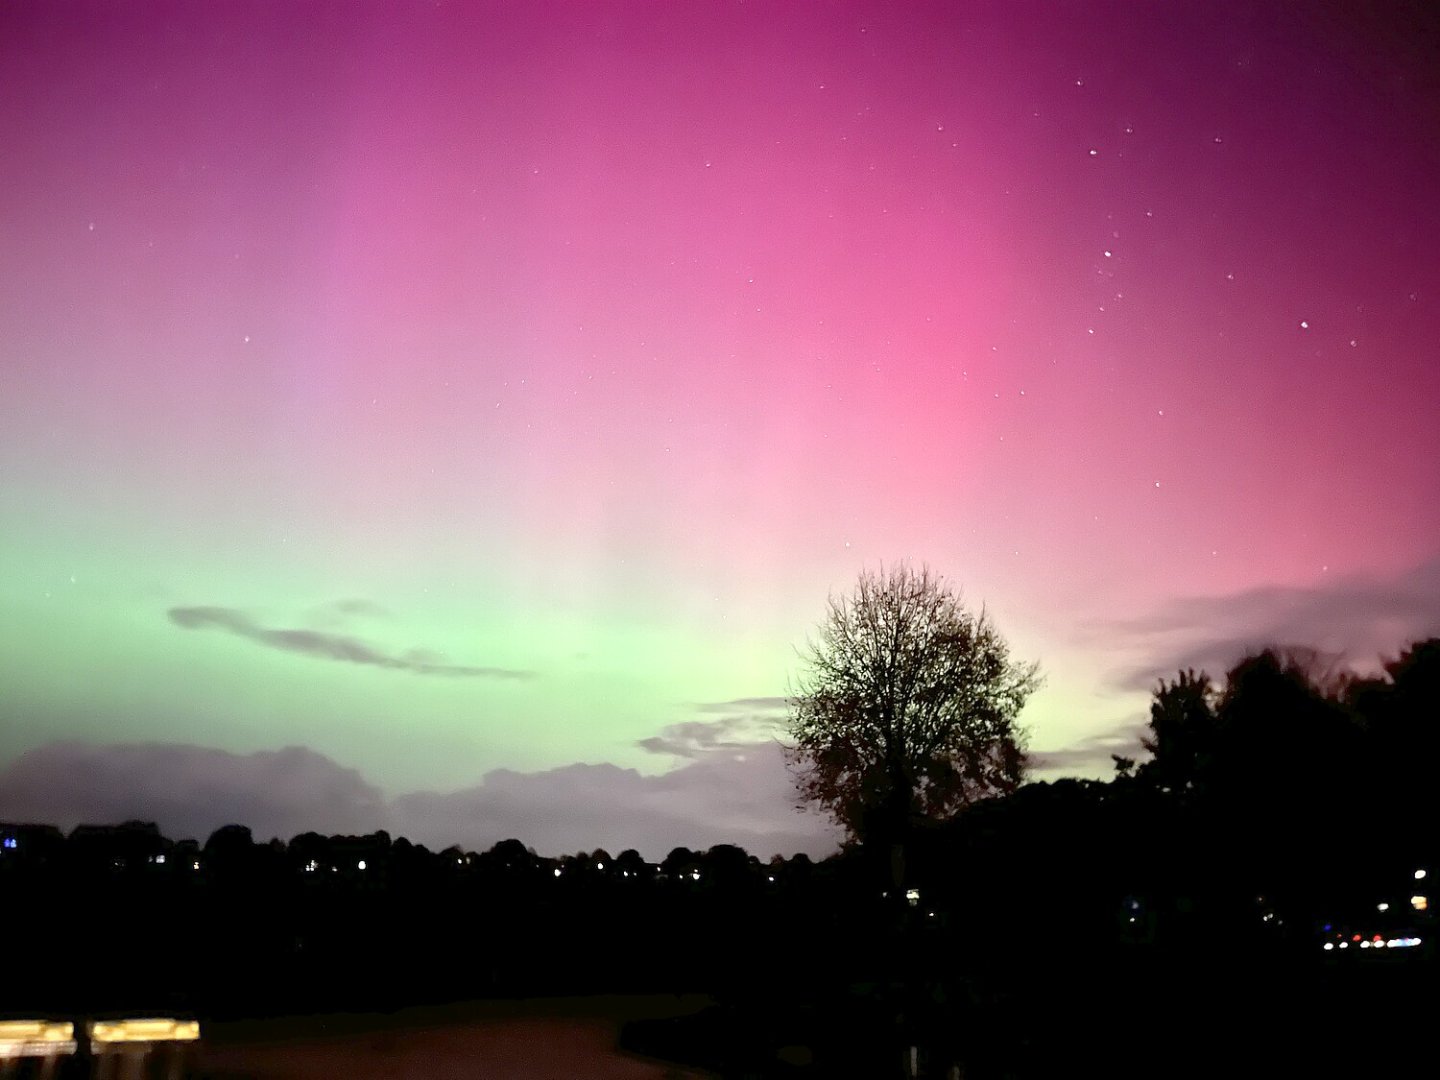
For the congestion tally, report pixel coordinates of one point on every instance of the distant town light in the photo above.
(599, 866)
(195, 865)
(695, 875)
(160, 860)
(11, 844)
(1344, 944)
(1329, 945)
(360, 865)
(1420, 903)
(1382, 907)
(913, 896)
(557, 871)
(1419, 874)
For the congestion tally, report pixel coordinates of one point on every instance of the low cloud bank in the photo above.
(728, 795)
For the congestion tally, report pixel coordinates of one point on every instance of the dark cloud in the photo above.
(327, 646)
(1358, 618)
(189, 790)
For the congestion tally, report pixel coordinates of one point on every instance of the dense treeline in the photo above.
(1194, 893)
(122, 918)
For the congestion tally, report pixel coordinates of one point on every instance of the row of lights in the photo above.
(1377, 942)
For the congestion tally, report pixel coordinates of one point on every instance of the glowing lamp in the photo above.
(44, 1031)
(35, 1038)
(154, 1029)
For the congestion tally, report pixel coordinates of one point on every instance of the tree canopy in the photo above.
(907, 706)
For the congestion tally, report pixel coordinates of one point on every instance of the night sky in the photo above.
(450, 417)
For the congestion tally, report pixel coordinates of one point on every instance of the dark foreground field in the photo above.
(542, 1039)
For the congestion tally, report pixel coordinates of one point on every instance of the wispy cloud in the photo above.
(746, 705)
(327, 646)
(1359, 618)
(1093, 753)
(356, 606)
(739, 723)
(694, 738)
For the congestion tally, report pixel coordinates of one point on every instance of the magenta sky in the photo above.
(585, 347)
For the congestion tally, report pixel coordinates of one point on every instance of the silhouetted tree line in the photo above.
(1182, 905)
(119, 917)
